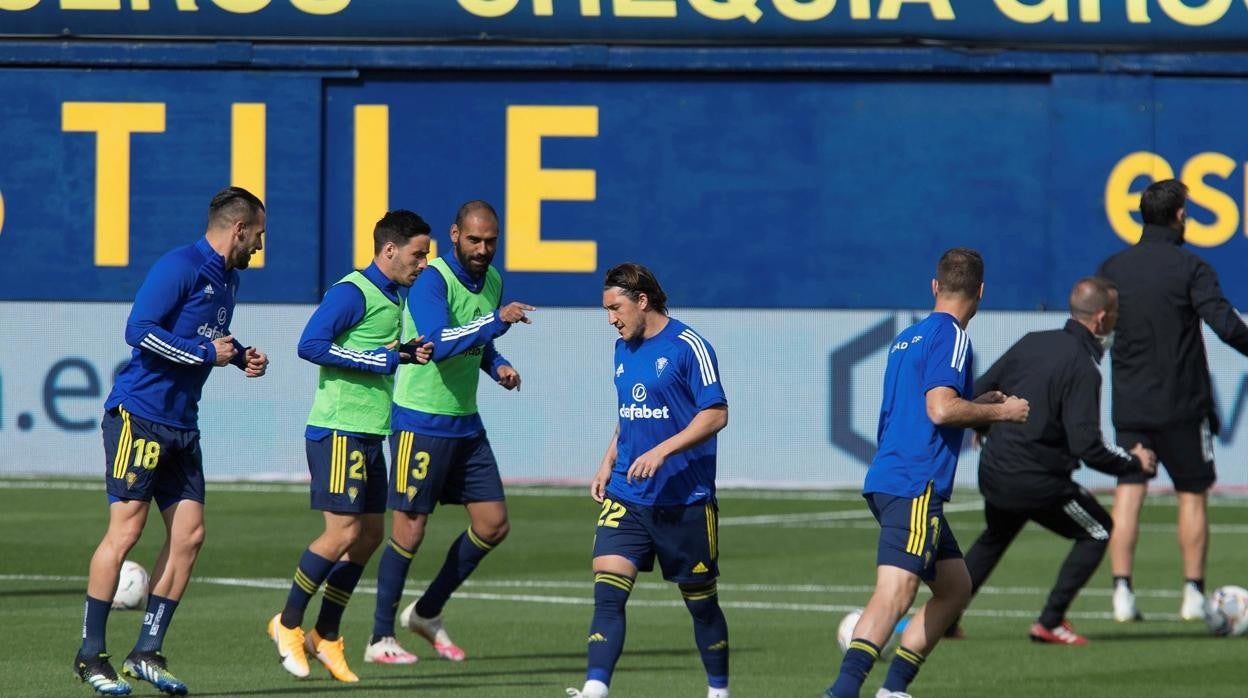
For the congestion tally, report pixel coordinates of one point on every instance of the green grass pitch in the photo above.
(792, 565)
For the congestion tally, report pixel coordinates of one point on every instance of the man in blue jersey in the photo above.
(656, 483)
(923, 414)
(438, 443)
(179, 327)
(353, 336)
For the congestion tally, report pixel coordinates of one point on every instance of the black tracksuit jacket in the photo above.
(1029, 465)
(1160, 371)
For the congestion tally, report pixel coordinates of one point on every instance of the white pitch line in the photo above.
(275, 583)
(844, 515)
(415, 585)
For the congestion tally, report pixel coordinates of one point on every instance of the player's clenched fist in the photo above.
(225, 350)
(257, 362)
(1015, 409)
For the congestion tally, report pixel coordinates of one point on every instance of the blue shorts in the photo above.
(348, 474)
(429, 470)
(144, 459)
(684, 538)
(914, 534)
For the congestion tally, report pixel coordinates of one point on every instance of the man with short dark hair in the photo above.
(1025, 469)
(1163, 395)
(439, 447)
(179, 327)
(354, 337)
(927, 405)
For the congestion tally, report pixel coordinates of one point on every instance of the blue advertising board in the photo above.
(756, 191)
(1066, 22)
(103, 171)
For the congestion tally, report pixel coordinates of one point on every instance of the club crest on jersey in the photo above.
(619, 370)
(660, 364)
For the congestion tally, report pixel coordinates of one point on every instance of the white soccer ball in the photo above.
(845, 631)
(131, 586)
(1226, 611)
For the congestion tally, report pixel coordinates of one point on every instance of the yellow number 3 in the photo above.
(421, 469)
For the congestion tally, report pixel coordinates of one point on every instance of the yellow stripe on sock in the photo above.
(399, 549)
(859, 645)
(912, 657)
(304, 583)
(703, 591)
(478, 542)
(337, 595)
(615, 580)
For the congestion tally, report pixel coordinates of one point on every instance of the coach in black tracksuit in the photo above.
(1025, 469)
(1162, 391)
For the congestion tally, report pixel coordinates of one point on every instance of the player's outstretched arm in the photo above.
(946, 409)
(1216, 310)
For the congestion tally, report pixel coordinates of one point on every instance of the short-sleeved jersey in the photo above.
(935, 352)
(186, 301)
(661, 383)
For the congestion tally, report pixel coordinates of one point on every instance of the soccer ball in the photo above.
(845, 631)
(1226, 611)
(131, 586)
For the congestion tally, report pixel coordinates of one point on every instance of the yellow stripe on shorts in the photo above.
(124, 442)
(402, 461)
(918, 522)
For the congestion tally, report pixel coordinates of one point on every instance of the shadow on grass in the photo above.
(1185, 634)
(41, 592)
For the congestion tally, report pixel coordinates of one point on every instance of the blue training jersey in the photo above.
(661, 383)
(935, 352)
(186, 301)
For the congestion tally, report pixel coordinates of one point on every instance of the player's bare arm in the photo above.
(598, 486)
(703, 426)
(946, 409)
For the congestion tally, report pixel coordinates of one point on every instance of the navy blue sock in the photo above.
(155, 623)
(1125, 579)
(1198, 583)
(465, 553)
(391, 576)
(311, 572)
(855, 666)
(710, 630)
(606, 630)
(338, 587)
(902, 671)
(94, 625)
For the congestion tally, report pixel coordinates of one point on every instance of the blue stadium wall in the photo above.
(793, 201)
